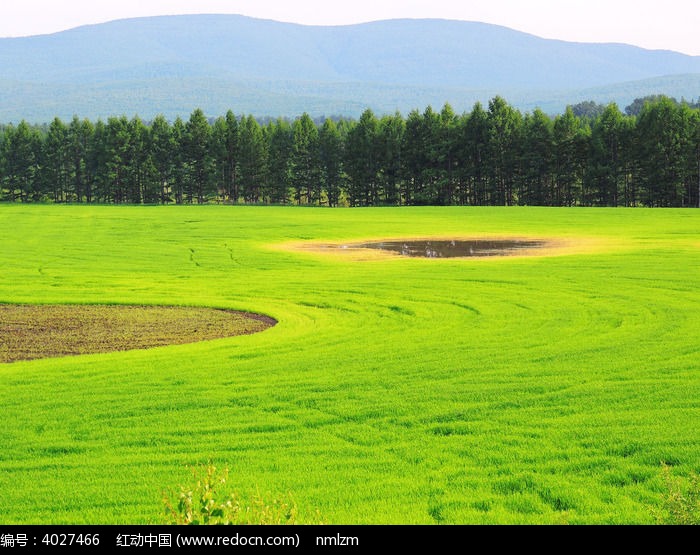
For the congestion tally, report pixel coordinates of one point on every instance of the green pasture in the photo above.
(516, 390)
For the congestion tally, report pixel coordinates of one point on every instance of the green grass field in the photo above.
(516, 390)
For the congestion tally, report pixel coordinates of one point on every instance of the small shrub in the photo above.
(681, 502)
(207, 502)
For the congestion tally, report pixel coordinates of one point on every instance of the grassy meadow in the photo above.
(543, 389)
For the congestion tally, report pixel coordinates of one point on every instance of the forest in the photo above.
(591, 155)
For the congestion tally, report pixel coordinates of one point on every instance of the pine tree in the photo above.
(163, 147)
(390, 136)
(56, 171)
(330, 158)
(280, 143)
(198, 157)
(305, 162)
(361, 163)
(226, 152)
(253, 159)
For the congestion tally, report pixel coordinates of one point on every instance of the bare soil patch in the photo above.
(43, 331)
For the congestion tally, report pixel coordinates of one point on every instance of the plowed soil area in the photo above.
(30, 332)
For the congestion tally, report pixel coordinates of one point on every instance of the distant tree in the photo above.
(5, 132)
(432, 171)
(447, 158)
(279, 139)
(389, 140)
(475, 138)
(689, 133)
(180, 176)
(97, 162)
(589, 155)
(588, 109)
(80, 137)
(198, 156)
(143, 183)
(537, 161)
(414, 159)
(117, 161)
(504, 125)
(304, 161)
(330, 159)
(571, 138)
(660, 135)
(22, 146)
(253, 159)
(429, 156)
(693, 160)
(608, 175)
(361, 161)
(226, 146)
(56, 170)
(163, 147)
(637, 105)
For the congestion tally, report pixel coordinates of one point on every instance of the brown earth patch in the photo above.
(43, 331)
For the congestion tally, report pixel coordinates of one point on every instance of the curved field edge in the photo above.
(524, 390)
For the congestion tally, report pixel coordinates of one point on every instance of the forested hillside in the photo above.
(493, 155)
(167, 65)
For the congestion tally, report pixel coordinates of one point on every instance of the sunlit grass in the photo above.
(518, 390)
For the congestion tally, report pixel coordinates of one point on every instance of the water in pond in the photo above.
(455, 249)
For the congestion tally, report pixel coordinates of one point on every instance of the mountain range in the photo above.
(173, 64)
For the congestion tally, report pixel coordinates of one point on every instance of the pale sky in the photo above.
(654, 24)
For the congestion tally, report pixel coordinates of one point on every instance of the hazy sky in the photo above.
(668, 24)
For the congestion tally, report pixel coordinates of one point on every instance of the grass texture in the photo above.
(530, 390)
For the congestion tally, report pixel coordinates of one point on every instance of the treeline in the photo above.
(489, 156)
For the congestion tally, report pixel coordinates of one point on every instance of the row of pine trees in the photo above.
(489, 156)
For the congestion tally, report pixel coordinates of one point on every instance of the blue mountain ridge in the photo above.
(172, 64)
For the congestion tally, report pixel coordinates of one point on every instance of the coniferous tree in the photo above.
(361, 163)
(330, 159)
(117, 160)
(253, 159)
(140, 169)
(198, 157)
(21, 152)
(659, 133)
(693, 160)
(305, 162)
(537, 160)
(56, 161)
(163, 147)
(475, 132)
(414, 159)
(570, 139)
(226, 151)
(447, 159)
(481, 157)
(180, 165)
(280, 143)
(97, 162)
(80, 138)
(606, 173)
(390, 132)
(689, 130)
(432, 172)
(504, 129)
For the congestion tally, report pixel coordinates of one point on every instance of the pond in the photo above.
(455, 248)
